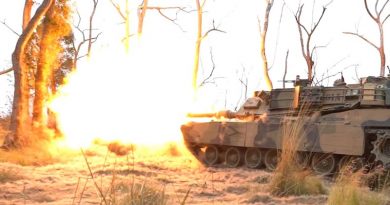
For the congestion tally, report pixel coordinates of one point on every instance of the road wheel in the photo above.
(233, 157)
(211, 155)
(351, 163)
(323, 164)
(303, 159)
(253, 158)
(271, 159)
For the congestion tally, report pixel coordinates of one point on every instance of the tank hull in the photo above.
(341, 134)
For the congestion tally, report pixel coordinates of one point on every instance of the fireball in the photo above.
(140, 97)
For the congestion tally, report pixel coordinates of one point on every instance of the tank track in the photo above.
(327, 164)
(377, 153)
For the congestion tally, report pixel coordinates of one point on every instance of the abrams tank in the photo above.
(338, 124)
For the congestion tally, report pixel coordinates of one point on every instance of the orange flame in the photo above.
(139, 98)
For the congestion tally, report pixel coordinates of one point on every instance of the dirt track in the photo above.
(63, 183)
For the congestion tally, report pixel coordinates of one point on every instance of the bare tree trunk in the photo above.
(142, 16)
(53, 84)
(54, 28)
(95, 3)
(309, 60)
(381, 50)
(47, 57)
(197, 46)
(20, 120)
(262, 45)
(285, 69)
(126, 17)
(27, 13)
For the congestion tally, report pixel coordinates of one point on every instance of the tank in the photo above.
(339, 124)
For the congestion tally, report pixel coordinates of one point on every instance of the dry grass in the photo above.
(4, 124)
(348, 194)
(137, 193)
(289, 177)
(378, 180)
(349, 190)
(296, 183)
(38, 153)
(128, 191)
(9, 175)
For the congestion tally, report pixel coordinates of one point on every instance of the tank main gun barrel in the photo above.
(226, 114)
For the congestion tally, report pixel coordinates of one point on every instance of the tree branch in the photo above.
(383, 7)
(161, 10)
(298, 19)
(166, 8)
(369, 12)
(9, 28)
(332, 75)
(95, 3)
(212, 70)
(118, 9)
(314, 49)
(319, 20)
(90, 40)
(6, 71)
(376, 7)
(363, 38)
(141, 15)
(384, 20)
(285, 69)
(213, 29)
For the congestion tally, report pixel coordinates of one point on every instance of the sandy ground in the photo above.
(70, 182)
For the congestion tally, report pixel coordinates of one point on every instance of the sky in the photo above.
(170, 47)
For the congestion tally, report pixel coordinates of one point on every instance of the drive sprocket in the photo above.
(381, 148)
